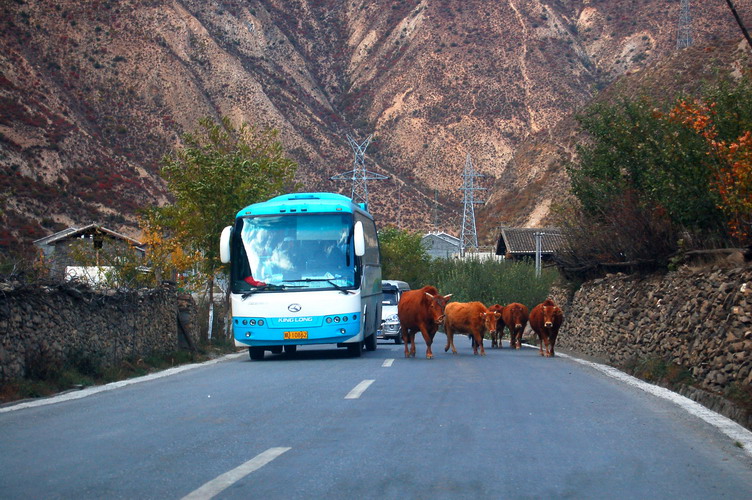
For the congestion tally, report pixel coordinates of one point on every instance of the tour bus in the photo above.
(304, 269)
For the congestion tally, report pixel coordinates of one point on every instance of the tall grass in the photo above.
(490, 282)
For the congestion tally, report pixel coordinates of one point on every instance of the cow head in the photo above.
(490, 319)
(438, 304)
(550, 313)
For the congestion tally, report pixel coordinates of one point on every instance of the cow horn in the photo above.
(429, 294)
(447, 296)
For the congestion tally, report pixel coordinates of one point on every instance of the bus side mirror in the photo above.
(359, 239)
(224, 245)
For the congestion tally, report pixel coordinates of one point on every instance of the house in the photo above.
(440, 245)
(61, 249)
(519, 242)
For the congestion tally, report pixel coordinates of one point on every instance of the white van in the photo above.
(391, 291)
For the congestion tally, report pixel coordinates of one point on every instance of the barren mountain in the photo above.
(94, 93)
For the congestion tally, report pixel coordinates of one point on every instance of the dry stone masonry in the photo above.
(700, 320)
(53, 325)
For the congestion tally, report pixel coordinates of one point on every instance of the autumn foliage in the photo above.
(731, 168)
(655, 178)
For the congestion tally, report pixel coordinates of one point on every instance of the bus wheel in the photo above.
(277, 349)
(355, 349)
(371, 342)
(290, 349)
(256, 353)
(398, 339)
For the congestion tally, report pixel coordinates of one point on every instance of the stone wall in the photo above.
(48, 326)
(698, 320)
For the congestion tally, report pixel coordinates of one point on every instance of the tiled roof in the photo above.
(521, 240)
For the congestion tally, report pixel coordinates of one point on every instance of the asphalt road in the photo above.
(322, 425)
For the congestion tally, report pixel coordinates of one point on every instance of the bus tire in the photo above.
(355, 349)
(290, 349)
(371, 342)
(398, 338)
(256, 353)
(277, 349)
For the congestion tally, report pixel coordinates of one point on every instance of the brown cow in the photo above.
(545, 320)
(421, 310)
(515, 316)
(496, 336)
(472, 318)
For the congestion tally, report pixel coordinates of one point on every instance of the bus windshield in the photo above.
(295, 251)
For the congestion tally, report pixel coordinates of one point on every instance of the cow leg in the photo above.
(406, 340)
(478, 343)
(450, 339)
(412, 344)
(540, 343)
(547, 342)
(429, 340)
(553, 342)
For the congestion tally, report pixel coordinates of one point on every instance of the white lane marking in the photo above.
(359, 389)
(727, 426)
(216, 486)
(387, 363)
(114, 385)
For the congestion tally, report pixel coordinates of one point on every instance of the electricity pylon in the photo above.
(359, 175)
(684, 33)
(469, 235)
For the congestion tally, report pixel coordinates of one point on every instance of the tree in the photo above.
(724, 121)
(634, 148)
(403, 256)
(651, 173)
(217, 171)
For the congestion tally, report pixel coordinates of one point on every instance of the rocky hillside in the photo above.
(94, 92)
(523, 195)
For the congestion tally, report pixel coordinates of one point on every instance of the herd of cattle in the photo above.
(425, 310)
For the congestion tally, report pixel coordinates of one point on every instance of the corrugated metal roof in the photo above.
(444, 236)
(55, 236)
(75, 232)
(521, 240)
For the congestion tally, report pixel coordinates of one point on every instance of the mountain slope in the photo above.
(93, 93)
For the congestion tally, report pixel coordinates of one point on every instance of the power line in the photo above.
(739, 22)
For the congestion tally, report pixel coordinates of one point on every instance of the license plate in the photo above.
(296, 335)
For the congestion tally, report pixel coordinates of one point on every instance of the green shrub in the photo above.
(491, 282)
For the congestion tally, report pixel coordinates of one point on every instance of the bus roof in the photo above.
(305, 203)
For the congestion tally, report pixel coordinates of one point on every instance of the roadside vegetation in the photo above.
(656, 179)
(487, 281)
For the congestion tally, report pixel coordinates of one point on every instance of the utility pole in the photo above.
(469, 235)
(538, 249)
(739, 22)
(359, 175)
(684, 33)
